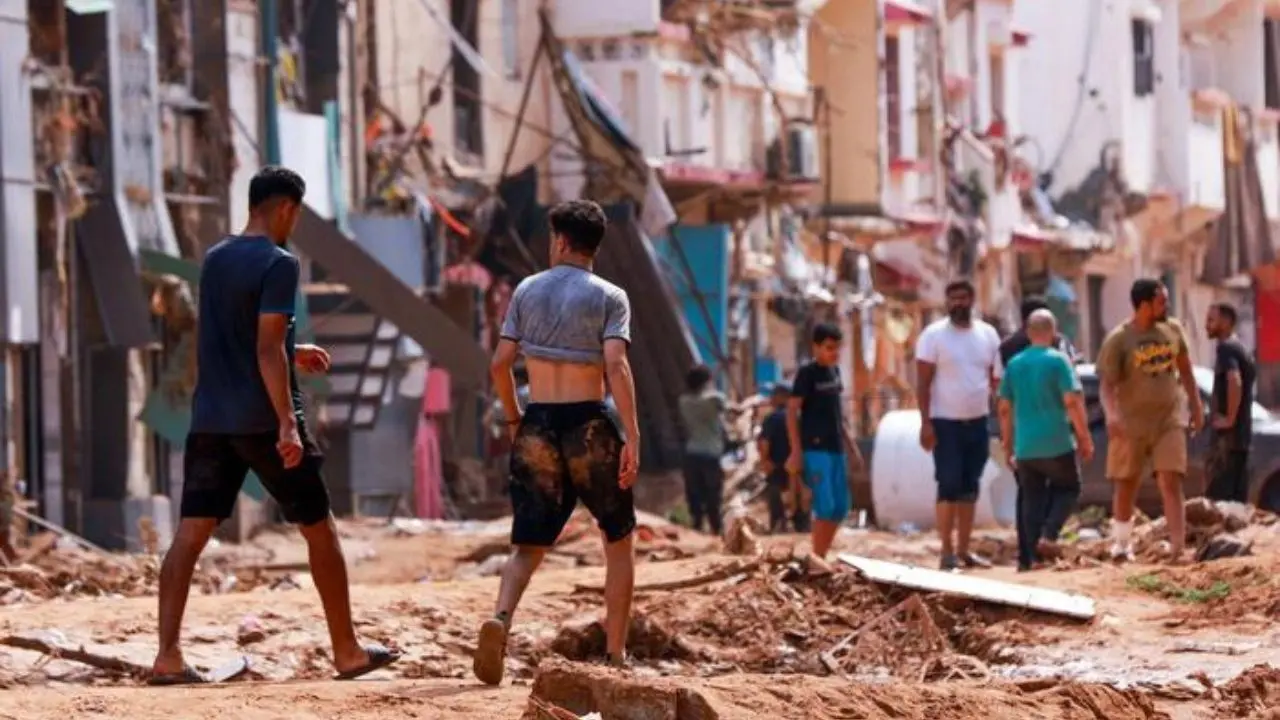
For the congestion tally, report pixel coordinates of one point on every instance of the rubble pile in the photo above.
(1254, 692)
(66, 572)
(1215, 530)
(785, 614)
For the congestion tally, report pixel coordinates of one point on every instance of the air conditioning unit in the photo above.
(802, 154)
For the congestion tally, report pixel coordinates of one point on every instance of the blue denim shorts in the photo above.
(960, 457)
(827, 476)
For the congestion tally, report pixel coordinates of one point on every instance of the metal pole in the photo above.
(269, 19)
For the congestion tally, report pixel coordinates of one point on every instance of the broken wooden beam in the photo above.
(80, 655)
(722, 573)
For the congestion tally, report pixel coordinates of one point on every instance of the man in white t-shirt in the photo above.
(955, 362)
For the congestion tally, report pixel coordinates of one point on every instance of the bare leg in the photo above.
(964, 513)
(1124, 499)
(329, 570)
(945, 514)
(1175, 511)
(489, 662)
(824, 534)
(619, 586)
(515, 579)
(175, 586)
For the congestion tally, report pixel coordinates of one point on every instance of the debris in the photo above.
(976, 588)
(37, 520)
(722, 573)
(53, 648)
(1215, 648)
(1222, 546)
(251, 631)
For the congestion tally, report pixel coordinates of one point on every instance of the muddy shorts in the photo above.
(215, 466)
(1164, 450)
(564, 453)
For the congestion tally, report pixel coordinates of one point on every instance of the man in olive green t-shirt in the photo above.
(1147, 388)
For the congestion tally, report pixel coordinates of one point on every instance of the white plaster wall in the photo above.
(593, 18)
(242, 90)
(1091, 39)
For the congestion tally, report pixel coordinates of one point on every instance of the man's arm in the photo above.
(276, 307)
(622, 384)
(1228, 365)
(924, 387)
(1188, 378)
(800, 390)
(762, 450)
(501, 373)
(1074, 402)
(273, 365)
(1006, 425)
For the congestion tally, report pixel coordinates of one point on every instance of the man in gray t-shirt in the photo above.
(573, 327)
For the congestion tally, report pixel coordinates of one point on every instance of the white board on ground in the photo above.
(977, 588)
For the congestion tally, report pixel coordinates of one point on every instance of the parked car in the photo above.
(1264, 455)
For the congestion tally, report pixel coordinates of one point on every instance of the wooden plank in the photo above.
(977, 588)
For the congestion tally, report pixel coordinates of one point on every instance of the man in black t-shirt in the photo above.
(1233, 378)
(775, 448)
(1019, 341)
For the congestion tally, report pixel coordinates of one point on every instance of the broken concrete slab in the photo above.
(976, 588)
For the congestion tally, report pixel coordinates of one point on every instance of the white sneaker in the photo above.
(1121, 554)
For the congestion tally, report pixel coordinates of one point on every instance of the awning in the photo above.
(374, 284)
(906, 11)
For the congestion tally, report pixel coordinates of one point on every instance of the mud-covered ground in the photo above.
(769, 635)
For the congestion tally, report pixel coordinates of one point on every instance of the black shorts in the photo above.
(564, 453)
(1228, 471)
(215, 466)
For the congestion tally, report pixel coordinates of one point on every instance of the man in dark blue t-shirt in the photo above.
(775, 448)
(247, 415)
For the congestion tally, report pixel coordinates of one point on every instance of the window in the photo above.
(997, 85)
(893, 96)
(511, 38)
(468, 117)
(1144, 58)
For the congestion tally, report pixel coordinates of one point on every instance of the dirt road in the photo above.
(759, 641)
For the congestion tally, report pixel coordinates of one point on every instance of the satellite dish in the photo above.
(865, 290)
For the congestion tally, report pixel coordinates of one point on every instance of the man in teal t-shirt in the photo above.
(1040, 406)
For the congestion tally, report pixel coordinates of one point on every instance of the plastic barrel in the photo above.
(902, 484)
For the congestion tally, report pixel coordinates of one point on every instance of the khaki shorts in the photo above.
(1164, 451)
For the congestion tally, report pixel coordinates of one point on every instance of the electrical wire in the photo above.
(1091, 37)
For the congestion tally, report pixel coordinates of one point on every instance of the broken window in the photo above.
(468, 115)
(893, 96)
(1144, 58)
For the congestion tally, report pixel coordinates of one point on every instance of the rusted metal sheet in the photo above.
(20, 322)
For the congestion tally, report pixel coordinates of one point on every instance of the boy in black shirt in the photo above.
(815, 428)
(1233, 377)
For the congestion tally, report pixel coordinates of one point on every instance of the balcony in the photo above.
(1205, 183)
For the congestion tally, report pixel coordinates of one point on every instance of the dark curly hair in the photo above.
(581, 223)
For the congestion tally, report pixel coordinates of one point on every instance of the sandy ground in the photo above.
(1177, 643)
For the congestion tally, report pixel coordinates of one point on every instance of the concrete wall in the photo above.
(411, 44)
(1089, 44)
(844, 58)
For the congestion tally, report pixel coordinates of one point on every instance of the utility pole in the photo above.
(269, 27)
(941, 172)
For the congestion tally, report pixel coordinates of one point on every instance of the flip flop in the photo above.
(379, 657)
(491, 652)
(190, 676)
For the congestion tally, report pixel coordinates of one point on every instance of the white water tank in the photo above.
(902, 480)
